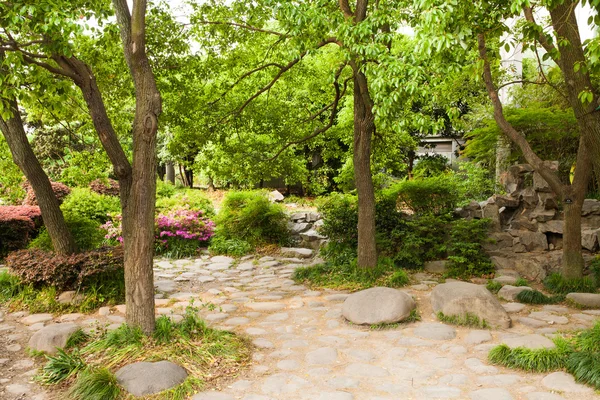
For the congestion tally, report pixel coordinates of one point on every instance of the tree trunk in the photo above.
(23, 156)
(171, 172)
(138, 217)
(502, 156)
(364, 127)
(211, 184)
(160, 171)
(572, 260)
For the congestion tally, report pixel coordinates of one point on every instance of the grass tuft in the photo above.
(467, 319)
(493, 286)
(588, 340)
(95, 384)
(348, 276)
(558, 284)
(414, 316)
(163, 330)
(532, 360)
(535, 297)
(521, 282)
(585, 367)
(60, 367)
(77, 338)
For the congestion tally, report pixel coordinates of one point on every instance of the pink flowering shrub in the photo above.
(178, 233)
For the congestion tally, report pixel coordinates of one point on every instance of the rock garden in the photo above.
(299, 200)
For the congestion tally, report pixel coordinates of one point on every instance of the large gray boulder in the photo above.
(296, 252)
(462, 298)
(144, 378)
(589, 300)
(378, 305)
(509, 292)
(51, 337)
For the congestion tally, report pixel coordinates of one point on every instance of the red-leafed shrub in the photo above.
(60, 191)
(40, 268)
(17, 225)
(108, 187)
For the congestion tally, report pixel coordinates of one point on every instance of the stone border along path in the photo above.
(305, 350)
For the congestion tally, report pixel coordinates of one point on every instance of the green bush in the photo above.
(250, 216)
(189, 199)
(86, 233)
(435, 195)
(421, 239)
(558, 284)
(85, 203)
(229, 247)
(340, 218)
(430, 165)
(466, 255)
(164, 189)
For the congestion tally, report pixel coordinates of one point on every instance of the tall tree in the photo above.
(22, 153)
(39, 36)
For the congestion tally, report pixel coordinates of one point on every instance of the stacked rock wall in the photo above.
(528, 224)
(303, 226)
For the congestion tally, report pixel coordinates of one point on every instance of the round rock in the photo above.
(51, 337)
(378, 305)
(462, 299)
(143, 378)
(590, 300)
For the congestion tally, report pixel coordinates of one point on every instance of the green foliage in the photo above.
(536, 297)
(78, 337)
(430, 166)
(230, 247)
(558, 284)
(466, 255)
(95, 384)
(585, 367)
(61, 366)
(419, 239)
(164, 189)
(84, 203)
(521, 282)
(10, 286)
(83, 167)
(347, 276)
(531, 360)
(250, 216)
(468, 319)
(340, 218)
(493, 286)
(473, 182)
(86, 233)
(11, 178)
(435, 195)
(578, 354)
(188, 199)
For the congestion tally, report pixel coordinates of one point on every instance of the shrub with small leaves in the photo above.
(40, 268)
(60, 191)
(17, 225)
(107, 187)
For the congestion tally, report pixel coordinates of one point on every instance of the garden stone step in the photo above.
(590, 300)
(296, 252)
(533, 341)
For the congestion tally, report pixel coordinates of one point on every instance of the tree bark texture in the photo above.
(138, 218)
(23, 156)
(364, 127)
(570, 57)
(571, 196)
(170, 172)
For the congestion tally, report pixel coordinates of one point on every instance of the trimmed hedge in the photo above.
(60, 191)
(40, 268)
(107, 187)
(17, 225)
